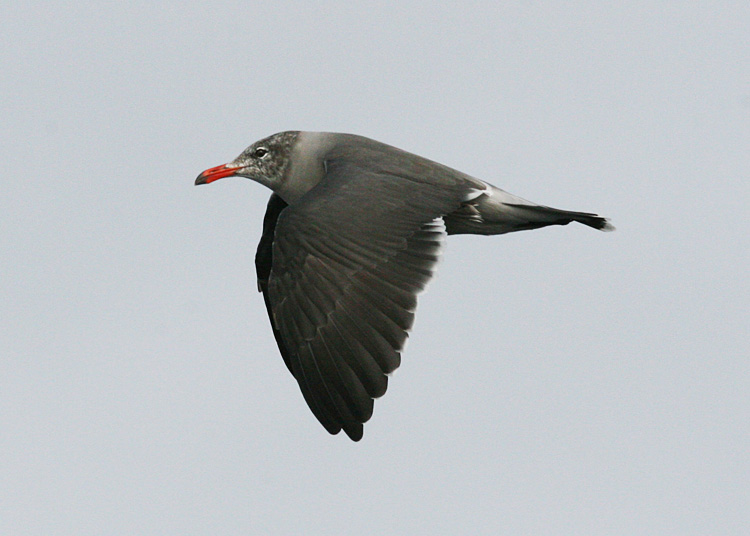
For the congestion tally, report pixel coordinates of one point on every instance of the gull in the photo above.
(351, 235)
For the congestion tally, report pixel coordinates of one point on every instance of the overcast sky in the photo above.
(558, 381)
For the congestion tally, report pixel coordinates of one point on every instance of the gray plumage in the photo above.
(351, 235)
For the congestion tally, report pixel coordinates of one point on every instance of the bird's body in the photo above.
(351, 235)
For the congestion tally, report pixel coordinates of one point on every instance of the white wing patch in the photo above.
(473, 193)
(438, 236)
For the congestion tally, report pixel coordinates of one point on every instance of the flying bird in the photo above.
(351, 235)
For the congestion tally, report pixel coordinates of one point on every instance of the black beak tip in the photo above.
(200, 180)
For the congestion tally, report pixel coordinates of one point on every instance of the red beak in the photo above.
(215, 173)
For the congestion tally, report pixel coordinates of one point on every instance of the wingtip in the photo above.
(355, 431)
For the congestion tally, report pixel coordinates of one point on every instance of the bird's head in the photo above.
(264, 161)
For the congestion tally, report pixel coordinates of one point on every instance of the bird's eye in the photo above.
(260, 152)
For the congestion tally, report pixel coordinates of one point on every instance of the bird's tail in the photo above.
(498, 212)
(541, 216)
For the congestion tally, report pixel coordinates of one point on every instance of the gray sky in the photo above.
(559, 381)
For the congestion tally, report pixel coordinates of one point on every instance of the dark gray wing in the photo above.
(264, 262)
(348, 262)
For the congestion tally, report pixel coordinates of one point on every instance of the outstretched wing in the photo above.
(347, 263)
